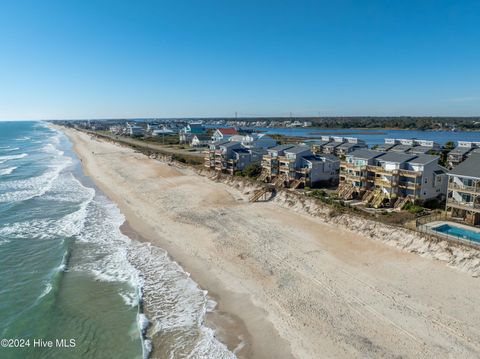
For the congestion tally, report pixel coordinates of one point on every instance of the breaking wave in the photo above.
(7, 171)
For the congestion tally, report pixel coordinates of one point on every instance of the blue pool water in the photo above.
(459, 232)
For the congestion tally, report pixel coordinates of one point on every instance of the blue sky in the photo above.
(105, 59)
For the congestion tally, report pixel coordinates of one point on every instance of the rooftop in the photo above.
(298, 149)
(396, 157)
(423, 159)
(385, 147)
(228, 131)
(281, 148)
(460, 151)
(468, 168)
(365, 154)
(401, 148)
(421, 149)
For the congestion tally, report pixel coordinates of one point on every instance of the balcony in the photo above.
(285, 168)
(352, 166)
(353, 176)
(384, 183)
(463, 188)
(470, 206)
(408, 173)
(410, 185)
(303, 170)
(381, 170)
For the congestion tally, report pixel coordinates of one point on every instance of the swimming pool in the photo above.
(459, 232)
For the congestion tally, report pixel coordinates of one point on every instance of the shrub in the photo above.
(413, 208)
(252, 170)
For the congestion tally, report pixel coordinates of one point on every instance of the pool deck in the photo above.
(429, 228)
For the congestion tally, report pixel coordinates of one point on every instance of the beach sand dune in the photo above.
(287, 284)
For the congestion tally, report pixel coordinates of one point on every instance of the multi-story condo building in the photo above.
(318, 146)
(255, 140)
(331, 147)
(299, 166)
(409, 145)
(270, 161)
(425, 147)
(463, 198)
(461, 152)
(391, 178)
(351, 144)
(388, 144)
(232, 156)
(212, 152)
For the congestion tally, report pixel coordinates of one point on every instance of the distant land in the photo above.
(347, 122)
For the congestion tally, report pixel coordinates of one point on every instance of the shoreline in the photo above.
(288, 276)
(225, 319)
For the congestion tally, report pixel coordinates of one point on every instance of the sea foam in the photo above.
(7, 171)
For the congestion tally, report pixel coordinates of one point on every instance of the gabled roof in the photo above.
(421, 149)
(365, 154)
(350, 145)
(297, 149)
(334, 144)
(230, 131)
(281, 147)
(321, 158)
(401, 148)
(328, 157)
(230, 144)
(468, 168)
(385, 147)
(202, 136)
(396, 157)
(424, 159)
(460, 151)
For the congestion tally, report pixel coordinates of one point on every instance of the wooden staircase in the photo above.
(279, 181)
(401, 202)
(368, 196)
(296, 183)
(378, 199)
(345, 191)
(263, 176)
(258, 194)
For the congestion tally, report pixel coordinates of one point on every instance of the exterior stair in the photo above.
(258, 194)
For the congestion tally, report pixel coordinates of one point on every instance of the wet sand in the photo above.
(287, 284)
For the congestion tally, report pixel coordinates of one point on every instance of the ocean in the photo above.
(70, 276)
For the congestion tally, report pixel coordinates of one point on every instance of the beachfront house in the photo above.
(463, 198)
(222, 134)
(461, 152)
(231, 156)
(270, 161)
(318, 146)
(392, 178)
(349, 145)
(404, 145)
(331, 147)
(355, 180)
(389, 143)
(296, 166)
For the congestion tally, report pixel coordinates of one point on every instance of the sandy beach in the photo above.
(288, 285)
